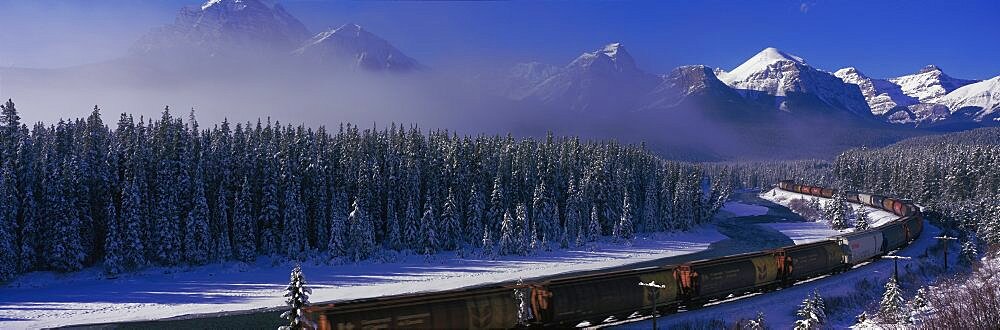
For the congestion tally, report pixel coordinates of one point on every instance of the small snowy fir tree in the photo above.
(361, 233)
(969, 253)
(836, 211)
(863, 222)
(297, 297)
(624, 227)
(756, 323)
(488, 248)
(508, 239)
(918, 306)
(892, 309)
(429, 225)
(811, 313)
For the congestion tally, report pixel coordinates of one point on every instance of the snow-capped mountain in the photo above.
(690, 81)
(978, 101)
(606, 78)
(223, 27)
(882, 95)
(929, 84)
(355, 47)
(791, 81)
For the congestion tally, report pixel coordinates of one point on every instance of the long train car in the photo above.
(811, 259)
(489, 308)
(566, 301)
(704, 280)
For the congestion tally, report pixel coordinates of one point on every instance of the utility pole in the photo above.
(656, 290)
(945, 239)
(895, 265)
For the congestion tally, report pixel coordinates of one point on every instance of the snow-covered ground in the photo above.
(784, 198)
(44, 299)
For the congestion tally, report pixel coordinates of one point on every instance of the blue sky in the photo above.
(882, 38)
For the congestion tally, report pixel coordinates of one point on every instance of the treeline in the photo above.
(167, 192)
(766, 174)
(959, 181)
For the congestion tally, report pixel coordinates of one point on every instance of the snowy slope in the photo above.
(776, 73)
(517, 81)
(689, 81)
(929, 84)
(981, 99)
(221, 27)
(605, 79)
(352, 46)
(882, 95)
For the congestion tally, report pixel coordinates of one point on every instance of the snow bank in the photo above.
(44, 299)
(740, 209)
(878, 216)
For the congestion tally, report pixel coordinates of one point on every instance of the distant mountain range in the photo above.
(770, 80)
(262, 29)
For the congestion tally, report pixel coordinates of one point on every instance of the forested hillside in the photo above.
(167, 192)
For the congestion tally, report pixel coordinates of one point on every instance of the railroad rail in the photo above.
(594, 297)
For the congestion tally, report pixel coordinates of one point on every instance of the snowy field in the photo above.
(44, 299)
(805, 232)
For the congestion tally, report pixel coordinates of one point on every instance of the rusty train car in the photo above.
(567, 300)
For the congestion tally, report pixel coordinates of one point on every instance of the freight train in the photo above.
(569, 300)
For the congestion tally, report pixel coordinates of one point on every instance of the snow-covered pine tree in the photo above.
(65, 249)
(223, 244)
(429, 228)
(113, 250)
(508, 236)
(197, 234)
(244, 235)
(269, 219)
(361, 236)
(623, 229)
(338, 246)
(892, 309)
(649, 223)
(474, 215)
(756, 323)
(133, 256)
(811, 315)
(969, 254)
(543, 209)
(413, 232)
(8, 221)
(522, 229)
(294, 236)
(297, 298)
(837, 211)
(451, 228)
(593, 226)
(863, 222)
(394, 238)
(918, 306)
